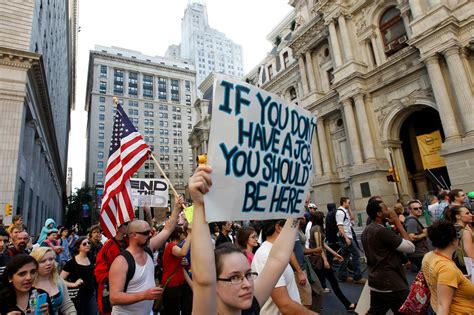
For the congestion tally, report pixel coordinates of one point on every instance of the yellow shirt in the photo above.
(438, 269)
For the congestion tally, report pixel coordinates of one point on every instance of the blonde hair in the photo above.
(38, 254)
(398, 208)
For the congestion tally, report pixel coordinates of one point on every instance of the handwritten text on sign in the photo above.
(260, 152)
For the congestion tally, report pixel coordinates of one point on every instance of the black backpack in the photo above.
(331, 226)
(131, 264)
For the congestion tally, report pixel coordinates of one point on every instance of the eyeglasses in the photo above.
(144, 233)
(417, 208)
(238, 279)
(85, 243)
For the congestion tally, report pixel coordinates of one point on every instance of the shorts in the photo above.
(305, 291)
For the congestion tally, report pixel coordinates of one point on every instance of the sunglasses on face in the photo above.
(144, 233)
(85, 243)
(417, 208)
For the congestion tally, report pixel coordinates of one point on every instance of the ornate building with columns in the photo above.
(37, 91)
(376, 74)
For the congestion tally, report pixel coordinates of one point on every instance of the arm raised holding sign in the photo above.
(226, 272)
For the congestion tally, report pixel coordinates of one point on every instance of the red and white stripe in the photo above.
(122, 164)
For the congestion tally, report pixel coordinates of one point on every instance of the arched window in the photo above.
(292, 93)
(393, 31)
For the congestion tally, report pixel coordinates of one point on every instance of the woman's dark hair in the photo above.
(373, 208)
(222, 250)
(7, 291)
(77, 245)
(451, 213)
(317, 218)
(175, 234)
(442, 233)
(243, 235)
(331, 206)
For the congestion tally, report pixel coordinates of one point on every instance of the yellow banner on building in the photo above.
(430, 145)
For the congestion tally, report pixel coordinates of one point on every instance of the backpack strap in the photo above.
(345, 215)
(131, 265)
(417, 221)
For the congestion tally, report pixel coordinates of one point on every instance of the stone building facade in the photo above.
(37, 79)
(376, 74)
(157, 94)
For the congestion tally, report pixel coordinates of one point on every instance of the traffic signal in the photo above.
(8, 209)
(392, 175)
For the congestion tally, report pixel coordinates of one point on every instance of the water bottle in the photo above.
(32, 301)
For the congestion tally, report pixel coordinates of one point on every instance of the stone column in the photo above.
(368, 144)
(346, 41)
(415, 8)
(368, 56)
(406, 22)
(304, 80)
(310, 71)
(462, 88)
(335, 44)
(323, 146)
(445, 108)
(375, 50)
(352, 131)
(318, 169)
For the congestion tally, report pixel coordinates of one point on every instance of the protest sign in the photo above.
(152, 192)
(189, 211)
(260, 152)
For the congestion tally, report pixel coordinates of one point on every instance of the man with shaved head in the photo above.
(137, 296)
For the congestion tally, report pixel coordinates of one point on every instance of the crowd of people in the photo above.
(250, 267)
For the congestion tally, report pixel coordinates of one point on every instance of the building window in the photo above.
(100, 145)
(188, 99)
(133, 83)
(101, 117)
(100, 154)
(101, 126)
(135, 122)
(187, 86)
(270, 72)
(393, 31)
(175, 90)
(100, 164)
(292, 92)
(118, 81)
(133, 103)
(101, 135)
(162, 88)
(286, 59)
(103, 71)
(149, 105)
(147, 86)
(102, 87)
(101, 108)
(102, 99)
(100, 175)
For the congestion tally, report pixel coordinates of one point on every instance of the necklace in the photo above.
(439, 254)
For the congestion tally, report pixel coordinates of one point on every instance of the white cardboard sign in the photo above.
(152, 192)
(260, 152)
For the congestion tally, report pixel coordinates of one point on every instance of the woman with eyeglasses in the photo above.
(17, 290)
(226, 273)
(49, 281)
(247, 239)
(462, 219)
(78, 273)
(173, 272)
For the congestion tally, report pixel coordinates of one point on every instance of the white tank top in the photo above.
(143, 279)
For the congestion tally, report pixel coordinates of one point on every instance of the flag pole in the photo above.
(163, 173)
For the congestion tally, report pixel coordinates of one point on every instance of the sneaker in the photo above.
(326, 290)
(352, 307)
(360, 281)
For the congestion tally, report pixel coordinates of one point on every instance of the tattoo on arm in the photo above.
(294, 224)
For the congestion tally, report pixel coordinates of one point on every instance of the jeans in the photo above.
(329, 275)
(346, 252)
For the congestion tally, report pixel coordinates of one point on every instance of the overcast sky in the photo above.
(150, 26)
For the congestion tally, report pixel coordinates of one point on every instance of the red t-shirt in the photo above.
(170, 264)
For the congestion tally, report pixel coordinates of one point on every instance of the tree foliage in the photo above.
(74, 213)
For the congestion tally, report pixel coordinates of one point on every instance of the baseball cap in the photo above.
(471, 194)
(312, 205)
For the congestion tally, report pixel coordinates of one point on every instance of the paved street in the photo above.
(333, 306)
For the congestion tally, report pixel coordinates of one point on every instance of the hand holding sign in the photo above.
(260, 150)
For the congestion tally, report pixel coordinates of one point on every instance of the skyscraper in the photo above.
(37, 78)
(209, 49)
(157, 94)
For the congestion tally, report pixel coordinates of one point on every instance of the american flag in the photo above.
(127, 153)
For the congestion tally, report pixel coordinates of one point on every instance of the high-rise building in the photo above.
(37, 78)
(209, 49)
(157, 93)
